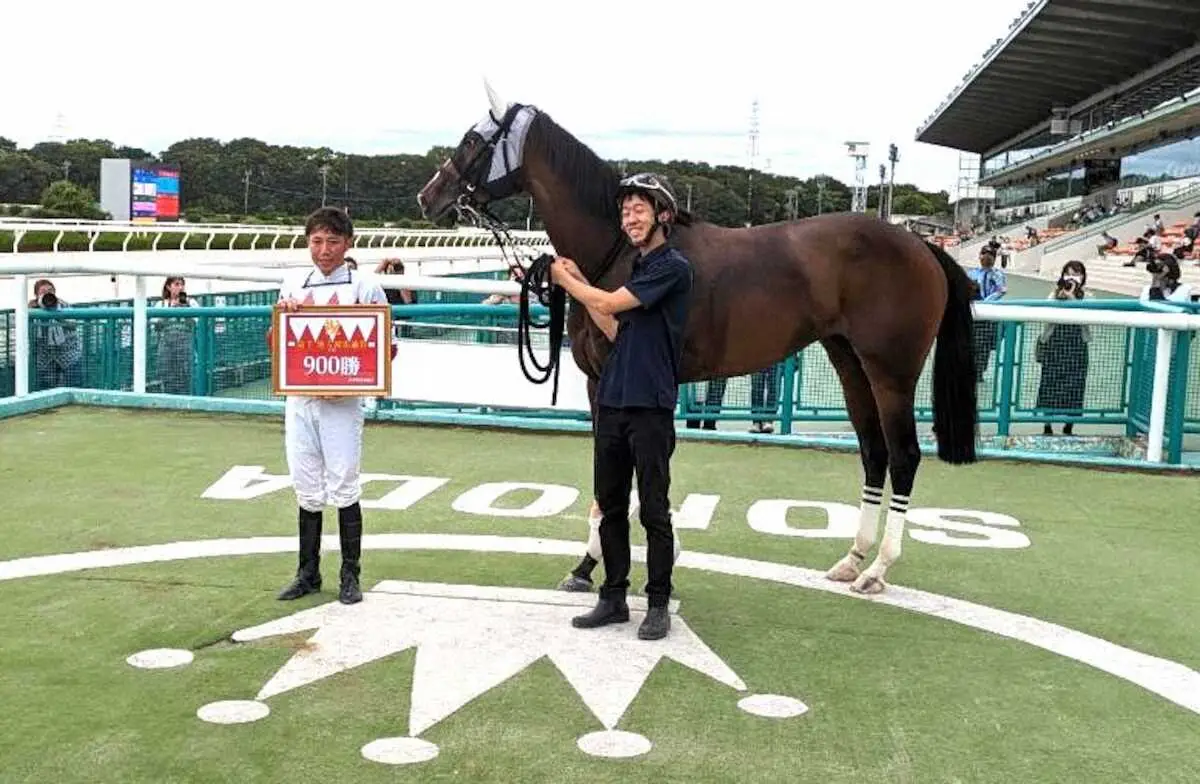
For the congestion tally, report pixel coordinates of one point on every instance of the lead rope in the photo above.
(536, 281)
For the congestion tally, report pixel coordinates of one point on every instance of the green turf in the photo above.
(894, 695)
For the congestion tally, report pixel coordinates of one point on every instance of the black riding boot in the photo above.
(308, 575)
(350, 532)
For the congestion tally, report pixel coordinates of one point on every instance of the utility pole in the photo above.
(324, 182)
(689, 198)
(246, 193)
(753, 160)
(893, 156)
(882, 180)
(793, 203)
(820, 195)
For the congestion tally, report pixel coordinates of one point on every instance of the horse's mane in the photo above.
(593, 181)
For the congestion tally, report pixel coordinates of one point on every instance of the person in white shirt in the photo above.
(1165, 286)
(323, 436)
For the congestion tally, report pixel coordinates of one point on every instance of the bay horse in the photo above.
(874, 295)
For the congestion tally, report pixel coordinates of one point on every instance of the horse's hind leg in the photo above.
(894, 395)
(860, 403)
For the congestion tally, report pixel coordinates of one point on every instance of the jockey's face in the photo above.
(328, 250)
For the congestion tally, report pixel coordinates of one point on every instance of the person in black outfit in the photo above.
(636, 398)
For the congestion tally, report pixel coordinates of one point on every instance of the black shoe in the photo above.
(350, 593)
(605, 612)
(301, 586)
(655, 625)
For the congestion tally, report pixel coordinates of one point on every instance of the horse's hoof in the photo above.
(844, 571)
(574, 584)
(868, 585)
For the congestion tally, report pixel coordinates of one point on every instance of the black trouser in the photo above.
(629, 440)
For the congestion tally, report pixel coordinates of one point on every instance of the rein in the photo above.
(535, 281)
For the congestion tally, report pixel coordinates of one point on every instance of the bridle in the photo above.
(535, 275)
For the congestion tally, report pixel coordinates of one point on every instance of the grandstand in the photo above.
(1081, 120)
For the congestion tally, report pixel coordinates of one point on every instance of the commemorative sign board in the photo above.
(332, 351)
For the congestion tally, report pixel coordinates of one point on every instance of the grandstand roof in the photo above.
(1178, 120)
(1118, 57)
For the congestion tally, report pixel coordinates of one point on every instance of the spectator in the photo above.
(1108, 244)
(710, 403)
(516, 275)
(1062, 351)
(57, 347)
(764, 398)
(395, 296)
(1164, 283)
(175, 355)
(1144, 253)
(990, 285)
(1188, 243)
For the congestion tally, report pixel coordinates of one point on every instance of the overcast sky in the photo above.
(648, 79)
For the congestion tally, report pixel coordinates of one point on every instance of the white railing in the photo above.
(1166, 323)
(259, 235)
(142, 270)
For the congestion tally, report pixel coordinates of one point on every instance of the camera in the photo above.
(182, 298)
(48, 300)
(1068, 288)
(1155, 266)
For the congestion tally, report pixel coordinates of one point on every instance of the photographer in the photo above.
(175, 355)
(1164, 283)
(57, 347)
(1062, 351)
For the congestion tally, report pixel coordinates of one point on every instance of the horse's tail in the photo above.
(955, 412)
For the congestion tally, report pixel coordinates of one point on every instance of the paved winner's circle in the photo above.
(160, 658)
(400, 751)
(772, 706)
(613, 743)
(233, 711)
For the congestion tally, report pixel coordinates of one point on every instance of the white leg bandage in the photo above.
(868, 519)
(593, 545)
(893, 532)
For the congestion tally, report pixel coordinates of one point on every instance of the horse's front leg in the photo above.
(579, 579)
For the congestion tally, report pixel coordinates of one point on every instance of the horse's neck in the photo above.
(579, 235)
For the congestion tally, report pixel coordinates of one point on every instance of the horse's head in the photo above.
(486, 165)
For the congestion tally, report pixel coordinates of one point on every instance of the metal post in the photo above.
(788, 396)
(22, 324)
(139, 334)
(1006, 359)
(1158, 398)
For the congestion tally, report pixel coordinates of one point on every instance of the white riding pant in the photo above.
(324, 450)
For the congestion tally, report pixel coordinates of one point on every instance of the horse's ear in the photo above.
(498, 107)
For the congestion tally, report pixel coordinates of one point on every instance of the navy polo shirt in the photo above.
(642, 370)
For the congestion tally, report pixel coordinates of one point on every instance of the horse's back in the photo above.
(765, 291)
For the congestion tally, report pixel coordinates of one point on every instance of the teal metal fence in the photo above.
(1030, 374)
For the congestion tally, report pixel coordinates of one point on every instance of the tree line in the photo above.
(249, 180)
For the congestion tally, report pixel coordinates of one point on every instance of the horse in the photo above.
(874, 295)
